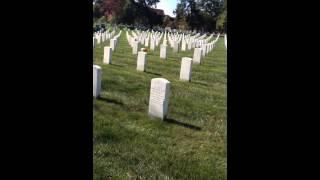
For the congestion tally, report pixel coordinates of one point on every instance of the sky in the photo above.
(167, 6)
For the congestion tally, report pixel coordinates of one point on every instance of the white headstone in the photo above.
(163, 51)
(225, 40)
(197, 54)
(96, 81)
(183, 45)
(94, 42)
(203, 50)
(186, 67)
(135, 47)
(142, 61)
(107, 55)
(165, 42)
(159, 98)
(152, 44)
(175, 46)
(98, 39)
(207, 48)
(103, 37)
(190, 45)
(113, 44)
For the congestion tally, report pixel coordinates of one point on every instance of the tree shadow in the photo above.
(186, 125)
(112, 101)
(148, 72)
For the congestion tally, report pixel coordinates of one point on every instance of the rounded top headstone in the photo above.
(160, 80)
(186, 59)
(96, 66)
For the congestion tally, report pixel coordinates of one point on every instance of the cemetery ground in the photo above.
(190, 144)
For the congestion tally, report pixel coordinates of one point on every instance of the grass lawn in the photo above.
(191, 144)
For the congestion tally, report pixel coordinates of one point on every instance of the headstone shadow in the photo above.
(117, 65)
(112, 101)
(149, 72)
(186, 125)
(200, 83)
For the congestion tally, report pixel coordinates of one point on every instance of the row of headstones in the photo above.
(186, 62)
(142, 60)
(160, 87)
(107, 51)
(187, 38)
(192, 41)
(204, 45)
(187, 42)
(101, 37)
(159, 93)
(173, 40)
(143, 38)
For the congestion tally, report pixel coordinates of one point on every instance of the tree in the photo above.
(181, 15)
(222, 18)
(98, 11)
(187, 11)
(131, 12)
(113, 8)
(199, 14)
(211, 7)
(147, 2)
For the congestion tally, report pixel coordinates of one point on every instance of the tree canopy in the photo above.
(203, 15)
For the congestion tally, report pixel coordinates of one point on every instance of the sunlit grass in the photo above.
(191, 145)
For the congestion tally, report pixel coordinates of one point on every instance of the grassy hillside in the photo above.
(191, 144)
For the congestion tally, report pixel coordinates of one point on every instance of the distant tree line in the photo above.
(200, 15)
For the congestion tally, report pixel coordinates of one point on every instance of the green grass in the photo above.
(127, 142)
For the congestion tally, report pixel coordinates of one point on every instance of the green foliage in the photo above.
(131, 12)
(222, 21)
(222, 18)
(98, 11)
(201, 15)
(205, 15)
(147, 2)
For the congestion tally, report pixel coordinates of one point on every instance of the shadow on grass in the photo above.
(190, 126)
(148, 72)
(112, 101)
(200, 83)
(117, 65)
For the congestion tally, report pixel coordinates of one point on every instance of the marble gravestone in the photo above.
(103, 37)
(95, 42)
(186, 67)
(113, 44)
(183, 46)
(135, 47)
(107, 54)
(203, 50)
(96, 81)
(98, 39)
(163, 51)
(152, 44)
(189, 45)
(142, 61)
(159, 98)
(175, 47)
(197, 54)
